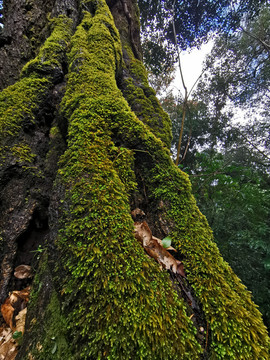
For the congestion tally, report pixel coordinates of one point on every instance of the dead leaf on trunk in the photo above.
(154, 247)
(19, 299)
(7, 311)
(8, 346)
(15, 303)
(20, 320)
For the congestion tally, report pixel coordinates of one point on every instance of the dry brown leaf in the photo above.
(23, 272)
(5, 334)
(160, 242)
(8, 350)
(19, 299)
(20, 320)
(7, 311)
(8, 346)
(154, 248)
(22, 294)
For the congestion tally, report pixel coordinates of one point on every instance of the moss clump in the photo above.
(46, 337)
(118, 303)
(20, 102)
(143, 101)
(123, 161)
(22, 153)
(49, 62)
(56, 149)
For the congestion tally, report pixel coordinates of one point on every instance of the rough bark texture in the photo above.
(84, 142)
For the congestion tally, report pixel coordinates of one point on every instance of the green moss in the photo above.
(23, 153)
(51, 56)
(116, 298)
(142, 100)
(123, 288)
(56, 149)
(20, 102)
(46, 337)
(17, 104)
(123, 161)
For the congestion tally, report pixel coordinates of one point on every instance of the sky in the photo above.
(192, 64)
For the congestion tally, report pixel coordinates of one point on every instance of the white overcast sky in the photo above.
(192, 63)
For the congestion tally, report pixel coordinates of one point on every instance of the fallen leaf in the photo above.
(8, 350)
(5, 334)
(7, 311)
(19, 299)
(20, 320)
(180, 268)
(8, 346)
(160, 242)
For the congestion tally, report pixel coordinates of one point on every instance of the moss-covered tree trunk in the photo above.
(83, 143)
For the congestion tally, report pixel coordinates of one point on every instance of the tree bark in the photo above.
(84, 142)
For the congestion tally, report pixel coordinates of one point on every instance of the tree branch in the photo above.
(263, 43)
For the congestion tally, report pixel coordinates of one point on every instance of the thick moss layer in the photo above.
(46, 329)
(119, 304)
(52, 55)
(237, 330)
(19, 103)
(143, 101)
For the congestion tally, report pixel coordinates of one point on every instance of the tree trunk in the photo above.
(84, 142)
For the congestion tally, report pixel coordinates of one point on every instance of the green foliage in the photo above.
(166, 242)
(238, 69)
(194, 21)
(234, 195)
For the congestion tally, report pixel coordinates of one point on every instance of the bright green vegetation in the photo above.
(51, 57)
(20, 102)
(51, 327)
(119, 304)
(142, 99)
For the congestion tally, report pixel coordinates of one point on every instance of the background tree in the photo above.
(229, 163)
(83, 142)
(194, 22)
